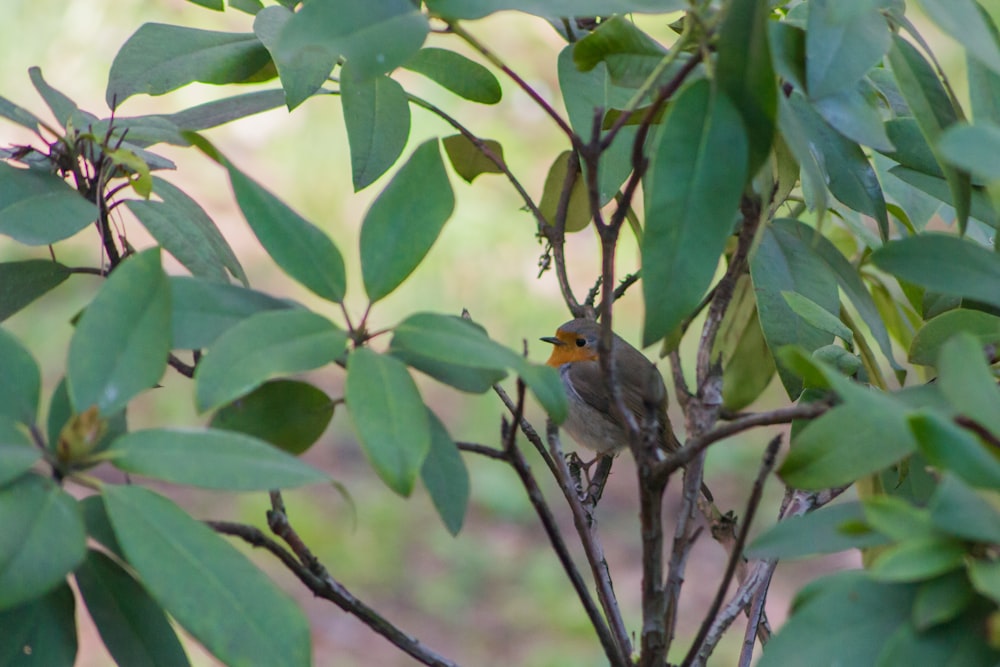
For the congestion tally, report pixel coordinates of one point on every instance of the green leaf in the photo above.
(301, 249)
(389, 417)
(395, 234)
(985, 577)
(967, 382)
(918, 560)
(547, 386)
(39, 208)
(377, 118)
(854, 112)
(17, 455)
(812, 171)
(942, 599)
(943, 263)
(262, 346)
(206, 585)
(745, 73)
(468, 160)
(466, 78)
(849, 175)
(134, 628)
(824, 531)
(219, 112)
(23, 282)
(20, 381)
(216, 5)
(445, 476)
(948, 447)
(898, 519)
(184, 230)
(477, 9)
(958, 510)
(120, 345)
(963, 21)
(785, 262)
(373, 37)
(747, 364)
(932, 336)
(843, 42)
(18, 114)
(63, 108)
(973, 148)
(160, 58)
(95, 516)
(301, 73)
(693, 190)
(290, 415)
(43, 538)
(578, 207)
(910, 146)
(616, 41)
(845, 616)
(980, 207)
(203, 310)
(817, 316)
(40, 632)
(212, 459)
(933, 111)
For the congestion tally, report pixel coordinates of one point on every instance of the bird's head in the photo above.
(574, 341)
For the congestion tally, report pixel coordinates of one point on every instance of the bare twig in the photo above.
(527, 429)
(483, 450)
(184, 369)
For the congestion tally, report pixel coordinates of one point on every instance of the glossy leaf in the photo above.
(160, 58)
(395, 234)
(445, 476)
(211, 459)
(39, 208)
(41, 631)
(181, 226)
(373, 37)
(233, 609)
(746, 74)
(289, 414)
(17, 454)
(466, 78)
(972, 270)
(578, 206)
(377, 118)
(932, 336)
(203, 310)
(476, 9)
(468, 160)
(843, 42)
(20, 381)
(693, 191)
(42, 541)
(23, 282)
(301, 74)
(133, 627)
(262, 346)
(785, 262)
(933, 111)
(389, 417)
(823, 531)
(121, 342)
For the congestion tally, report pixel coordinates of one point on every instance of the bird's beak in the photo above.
(552, 339)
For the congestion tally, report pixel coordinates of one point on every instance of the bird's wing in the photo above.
(588, 382)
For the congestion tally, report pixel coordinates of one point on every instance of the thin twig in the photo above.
(184, 369)
(483, 450)
(527, 429)
(755, 618)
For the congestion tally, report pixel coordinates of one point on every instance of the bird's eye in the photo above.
(581, 342)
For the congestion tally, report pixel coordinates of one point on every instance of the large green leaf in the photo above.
(262, 346)
(181, 226)
(23, 282)
(918, 560)
(389, 417)
(943, 263)
(973, 148)
(933, 111)
(618, 43)
(466, 78)
(964, 21)
(395, 234)
(812, 169)
(204, 310)
(827, 530)
(377, 118)
(855, 113)
(40, 632)
(133, 627)
(39, 208)
(63, 108)
(928, 341)
(445, 476)
(159, 58)
(121, 342)
(745, 72)
(547, 386)
(20, 381)
(289, 414)
(941, 599)
(967, 381)
(373, 37)
(17, 454)
(948, 447)
(301, 73)
(980, 207)
(784, 261)
(693, 189)
(43, 538)
(958, 510)
(213, 459)
(476, 9)
(206, 585)
(843, 41)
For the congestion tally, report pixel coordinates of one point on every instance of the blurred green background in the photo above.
(495, 595)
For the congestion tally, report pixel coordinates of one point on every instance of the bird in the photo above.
(591, 419)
